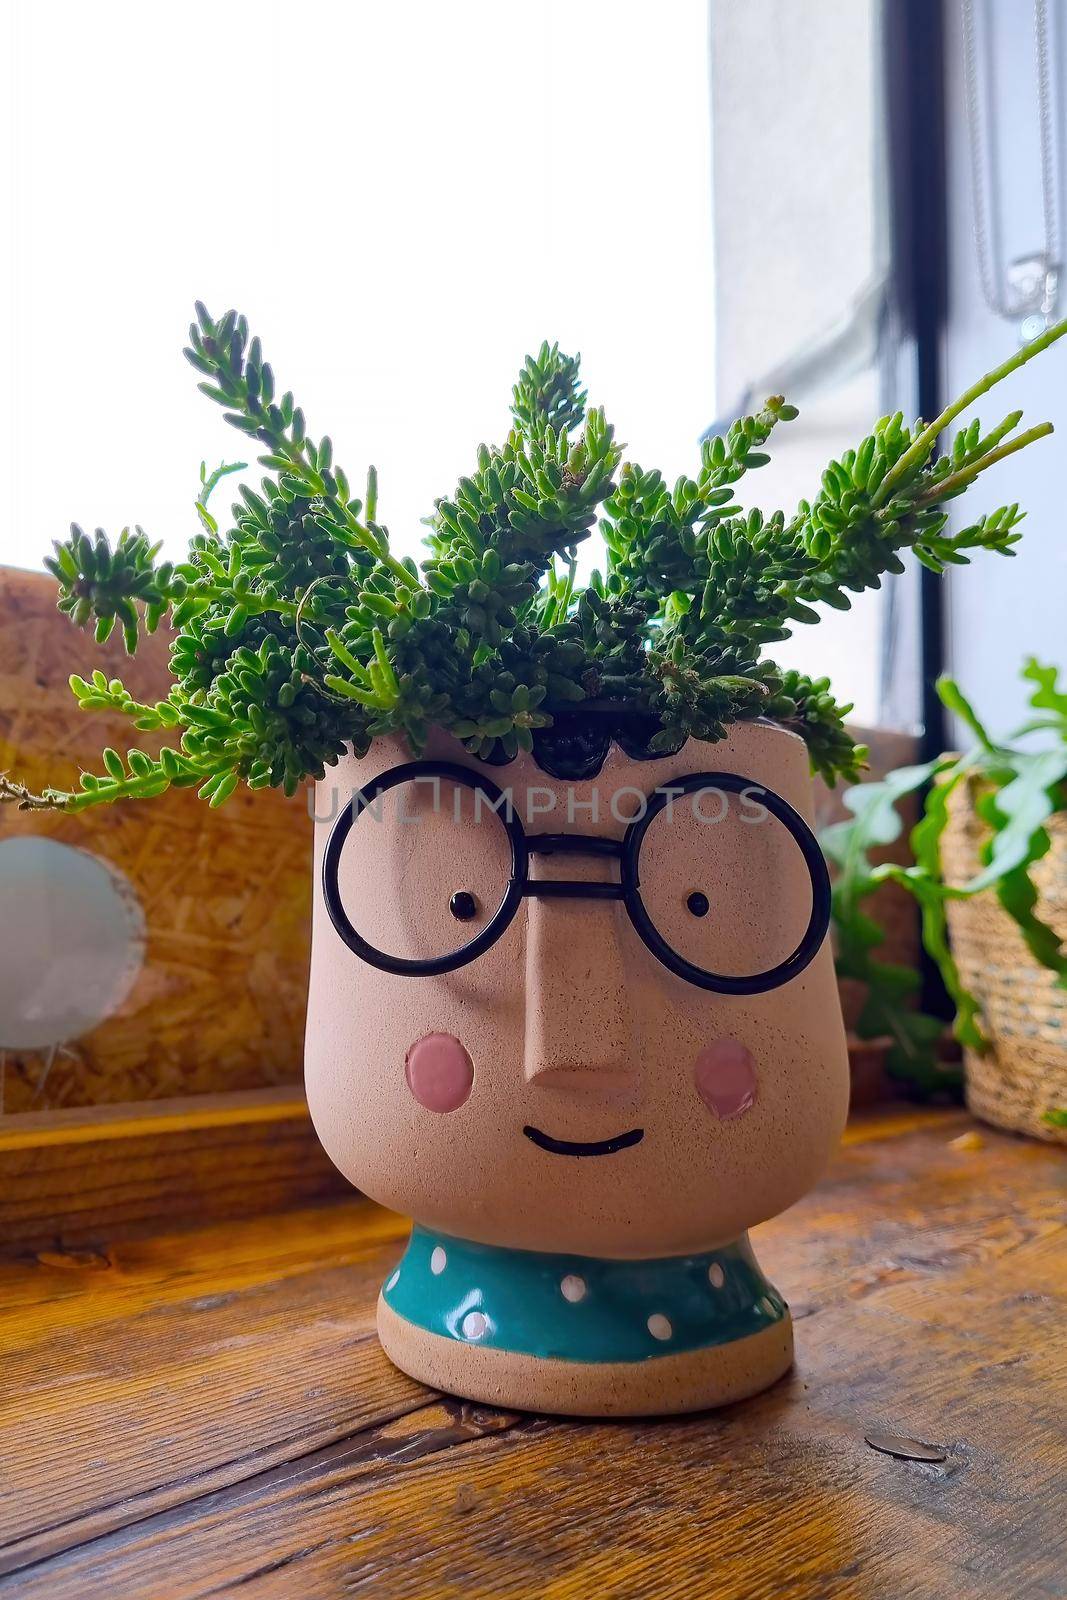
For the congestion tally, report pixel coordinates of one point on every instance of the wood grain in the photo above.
(164, 1367)
(73, 1178)
(208, 1413)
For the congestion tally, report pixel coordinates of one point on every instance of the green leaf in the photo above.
(223, 789)
(1047, 693)
(926, 882)
(1016, 812)
(1019, 898)
(953, 699)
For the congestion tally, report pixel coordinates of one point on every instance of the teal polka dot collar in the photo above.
(579, 1308)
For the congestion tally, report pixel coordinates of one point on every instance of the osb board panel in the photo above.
(218, 1000)
(209, 1414)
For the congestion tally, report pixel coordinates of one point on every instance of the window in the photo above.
(801, 267)
(403, 198)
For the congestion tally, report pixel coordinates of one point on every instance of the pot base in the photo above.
(693, 1380)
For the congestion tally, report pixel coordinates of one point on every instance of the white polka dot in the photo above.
(474, 1324)
(658, 1326)
(438, 1261)
(716, 1276)
(394, 1280)
(572, 1288)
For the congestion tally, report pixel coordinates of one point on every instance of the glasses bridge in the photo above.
(574, 844)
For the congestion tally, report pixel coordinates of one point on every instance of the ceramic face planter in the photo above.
(586, 1034)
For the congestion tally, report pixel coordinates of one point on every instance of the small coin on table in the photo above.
(894, 1444)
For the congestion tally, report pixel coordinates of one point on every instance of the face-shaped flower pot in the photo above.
(587, 1034)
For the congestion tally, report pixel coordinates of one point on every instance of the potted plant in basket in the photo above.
(571, 1002)
(990, 876)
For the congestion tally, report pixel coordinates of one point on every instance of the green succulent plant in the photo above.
(299, 632)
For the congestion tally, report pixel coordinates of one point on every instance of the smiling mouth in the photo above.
(594, 1147)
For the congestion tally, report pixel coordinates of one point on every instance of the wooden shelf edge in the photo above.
(75, 1177)
(25, 1130)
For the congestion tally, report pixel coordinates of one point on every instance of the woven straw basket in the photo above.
(1024, 1011)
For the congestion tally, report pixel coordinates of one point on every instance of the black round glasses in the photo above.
(500, 890)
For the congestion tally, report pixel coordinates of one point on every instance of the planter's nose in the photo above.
(579, 1031)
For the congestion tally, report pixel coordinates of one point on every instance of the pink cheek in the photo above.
(439, 1072)
(725, 1076)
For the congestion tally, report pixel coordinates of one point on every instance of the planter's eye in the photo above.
(723, 880)
(423, 868)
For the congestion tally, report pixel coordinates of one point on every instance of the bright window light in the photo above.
(402, 198)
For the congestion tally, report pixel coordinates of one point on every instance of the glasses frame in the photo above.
(627, 851)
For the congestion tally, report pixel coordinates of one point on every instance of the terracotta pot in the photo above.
(582, 1133)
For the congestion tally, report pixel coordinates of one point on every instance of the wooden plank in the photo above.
(170, 1366)
(93, 1124)
(70, 1179)
(929, 1285)
(893, 1122)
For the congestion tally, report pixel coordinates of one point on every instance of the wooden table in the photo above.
(208, 1413)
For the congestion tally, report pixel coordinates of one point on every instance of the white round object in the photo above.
(73, 942)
